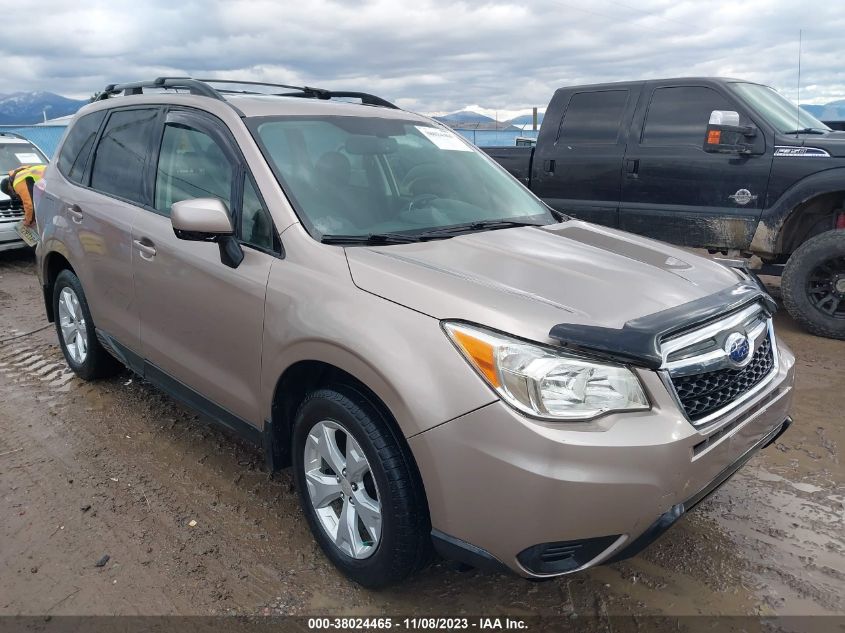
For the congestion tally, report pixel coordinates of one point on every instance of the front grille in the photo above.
(11, 209)
(702, 394)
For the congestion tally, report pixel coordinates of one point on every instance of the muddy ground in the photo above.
(115, 468)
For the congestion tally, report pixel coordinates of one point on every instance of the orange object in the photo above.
(482, 354)
(714, 137)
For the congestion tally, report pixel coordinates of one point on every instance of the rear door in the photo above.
(675, 191)
(202, 322)
(97, 205)
(579, 170)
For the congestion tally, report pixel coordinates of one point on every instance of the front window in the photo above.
(781, 113)
(359, 176)
(14, 154)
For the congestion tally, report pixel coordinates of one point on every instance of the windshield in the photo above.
(784, 115)
(359, 176)
(14, 154)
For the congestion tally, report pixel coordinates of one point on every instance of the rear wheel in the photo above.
(359, 489)
(813, 284)
(75, 328)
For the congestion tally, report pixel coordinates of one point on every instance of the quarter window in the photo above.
(679, 115)
(121, 154)
(256, 226)
(77, 147)
(191, 165)
(594, 118)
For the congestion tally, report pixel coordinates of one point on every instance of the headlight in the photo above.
(544, 382)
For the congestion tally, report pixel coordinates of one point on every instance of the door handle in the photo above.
(632, 167)
(75, 213)
(146, 248)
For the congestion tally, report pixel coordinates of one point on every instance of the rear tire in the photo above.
(75, 329)
(813, 284)
(339, 418)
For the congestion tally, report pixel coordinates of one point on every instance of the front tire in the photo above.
(359, 488)
(813, 284)
(75, 328)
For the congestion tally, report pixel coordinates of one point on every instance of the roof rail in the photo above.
(186, 83)
(203, 88)
(307, 92)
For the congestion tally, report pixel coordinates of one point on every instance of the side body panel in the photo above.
(316, 313)
(92, 231)
(581, 179)
(679, 193)
(201, 321)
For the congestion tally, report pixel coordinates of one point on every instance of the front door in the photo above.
(202, 322)
(580, 173)
(675, 191)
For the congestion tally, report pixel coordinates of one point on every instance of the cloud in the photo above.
(428, 55)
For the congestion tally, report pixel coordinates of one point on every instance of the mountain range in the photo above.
(469, 119)
(833, 111)
(24, 108)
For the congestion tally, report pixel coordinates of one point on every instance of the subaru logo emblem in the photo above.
(738, 348)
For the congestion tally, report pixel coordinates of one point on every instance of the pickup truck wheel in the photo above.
(75, 328)
(358, 488)
(813, 284)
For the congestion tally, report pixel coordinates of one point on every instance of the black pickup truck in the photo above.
(715, 163)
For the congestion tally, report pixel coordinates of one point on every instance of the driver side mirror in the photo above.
(207, 220)
(726, 136)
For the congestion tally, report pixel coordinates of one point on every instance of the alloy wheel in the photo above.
(72, 324)
(342, 489)
(826, 288)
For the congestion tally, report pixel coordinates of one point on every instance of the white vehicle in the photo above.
(15, 151)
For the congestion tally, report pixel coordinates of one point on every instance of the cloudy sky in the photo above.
(427, 55)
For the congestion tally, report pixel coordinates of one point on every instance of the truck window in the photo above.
(593, 118)
(679, 115)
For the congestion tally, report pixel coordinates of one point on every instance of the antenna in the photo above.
(798, 100)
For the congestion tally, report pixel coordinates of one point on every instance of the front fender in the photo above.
(768, 238)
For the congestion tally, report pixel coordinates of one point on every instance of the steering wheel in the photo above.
(422, 201)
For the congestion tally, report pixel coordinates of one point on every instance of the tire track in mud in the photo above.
(141, 512)
(33, 366)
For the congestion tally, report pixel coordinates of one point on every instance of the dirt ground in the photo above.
(116, 468)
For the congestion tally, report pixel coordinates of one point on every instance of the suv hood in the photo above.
(526, 280)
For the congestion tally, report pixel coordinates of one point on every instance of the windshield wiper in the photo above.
(370, 239)
(481, 225)
(808, 130)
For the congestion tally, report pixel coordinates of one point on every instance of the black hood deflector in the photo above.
(638, 341)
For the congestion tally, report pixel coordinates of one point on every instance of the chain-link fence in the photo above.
(46, 137)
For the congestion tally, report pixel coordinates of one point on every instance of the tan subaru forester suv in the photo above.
(446, 363)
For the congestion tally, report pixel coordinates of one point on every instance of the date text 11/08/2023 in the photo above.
(417, 624)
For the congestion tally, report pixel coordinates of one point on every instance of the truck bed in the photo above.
(517, 160)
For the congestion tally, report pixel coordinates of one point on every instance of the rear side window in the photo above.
(121, 155)
(77, 147)
(594, 118)
(679, 116)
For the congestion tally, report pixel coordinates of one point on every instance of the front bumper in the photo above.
(504, 491)
(9, 238)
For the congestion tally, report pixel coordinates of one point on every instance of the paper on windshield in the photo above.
(28, 159)
(443, 139)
